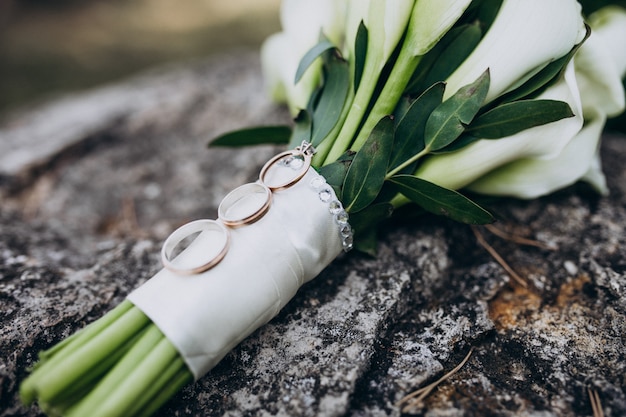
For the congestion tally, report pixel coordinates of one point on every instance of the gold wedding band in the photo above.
(186, 231)
(245, 204)
(291, 160)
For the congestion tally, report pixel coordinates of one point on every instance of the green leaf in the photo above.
(511, 118)
(484, 12)
(441, 201)
(370, 217)
(366, 174)
(275, 135)
(315, 95)
(301, 130)
(360, 51)
(463, 140)
(335, 173)
(448, 120)
(368, 242)
(335, 91)
(365, 226)
(409, 137)
(311, 56)
(538, 82)
(402, 106)
(438, 64)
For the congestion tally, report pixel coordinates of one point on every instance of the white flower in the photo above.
(526, 35)
(386, 23)
(601, 63)
(543, 159)
(534, 177)
(458, 169)
(279, 62)
(357, 11)
(610, 24)
(303, 21)
(430, 20)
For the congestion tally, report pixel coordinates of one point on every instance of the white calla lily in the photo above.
(430, 21)
(598, 78)
(357, 12)
(279, 63)
(610, 24)
(525, 36)
(601, 63)
(387, 21)
(302, 22)
(533, 177)
(458, 169)
(594, 175)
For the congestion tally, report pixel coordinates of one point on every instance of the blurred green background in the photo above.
(48, 47)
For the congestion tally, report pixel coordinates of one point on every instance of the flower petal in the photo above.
(598, 70)
(279, 61)
(532, 177)
(610, 23)
(526, 35)
(303, 22)
(387, 21)
(457, 169)
(430, 20)
(357, 12)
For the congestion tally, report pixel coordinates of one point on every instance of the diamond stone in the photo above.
(296, 163)
(348, 244)
(317, 183)
(325, 195)
(341, 217)
(334, 207)
(285, 162)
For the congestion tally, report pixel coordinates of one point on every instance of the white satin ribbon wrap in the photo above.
(207, 314)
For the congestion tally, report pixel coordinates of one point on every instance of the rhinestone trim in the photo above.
(335, 208)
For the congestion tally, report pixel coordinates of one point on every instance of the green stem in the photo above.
(154, 392)
(52, 357)
(386, 102)
(357, 110)
(116, 376)
(408, 162)
(131, 388)
(77, 392)
(51, 381)
(325, 146)
(399, 200)
(82, 336)
(182, 378)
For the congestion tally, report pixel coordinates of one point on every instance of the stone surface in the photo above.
(101, 178)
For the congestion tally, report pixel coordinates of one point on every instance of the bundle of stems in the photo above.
(119, 365)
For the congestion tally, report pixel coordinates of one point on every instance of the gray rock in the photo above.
(92, 183)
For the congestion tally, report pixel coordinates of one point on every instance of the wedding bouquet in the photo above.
(395, 102)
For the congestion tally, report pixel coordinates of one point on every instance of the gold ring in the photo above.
(245, 204)
(201, 228)
(295, 160)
